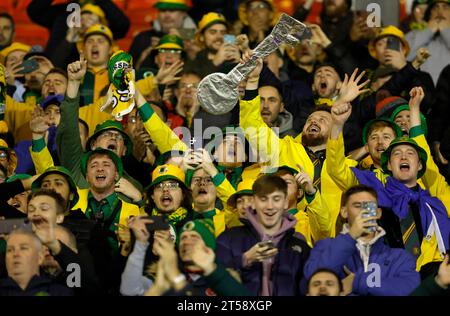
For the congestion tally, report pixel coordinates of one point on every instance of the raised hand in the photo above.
(340, 113)
(167, 75)
(395, 58)
(351, 87)
(39, 123)
(77, 70)
(137, 225)
(417, 96)
(304, 181)
(125, 187)
(12, 72)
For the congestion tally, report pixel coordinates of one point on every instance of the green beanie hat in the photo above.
(204, 227)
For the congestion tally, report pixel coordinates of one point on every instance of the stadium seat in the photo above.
(31, 34)
(7, 6)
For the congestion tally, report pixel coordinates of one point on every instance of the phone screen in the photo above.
(229, 39)
(393, 43)
(29, 66)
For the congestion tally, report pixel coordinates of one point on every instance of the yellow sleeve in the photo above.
(146, 85)
(261, 137)
(161, 134)
(433, 180)
(303, 226)
(42, 160)
(337, 166)
(319, 218)
(17, 113)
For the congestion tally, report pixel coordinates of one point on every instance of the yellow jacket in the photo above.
(286, 151)
(313, 219)
(18, 114)
(126, 211)
(345, 178)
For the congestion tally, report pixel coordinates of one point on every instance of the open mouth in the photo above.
(166, 200)
(38, 220)
(381, 149)
(404, 166)
(95, 53)
(100, 178)
(202, 192)
(314, 129)
(112, 147)
(265, 113)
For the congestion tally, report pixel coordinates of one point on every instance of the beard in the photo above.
(311, 141)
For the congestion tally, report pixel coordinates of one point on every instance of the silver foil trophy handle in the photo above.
(218, 93)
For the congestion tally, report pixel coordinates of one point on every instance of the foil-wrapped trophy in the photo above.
(218, 92)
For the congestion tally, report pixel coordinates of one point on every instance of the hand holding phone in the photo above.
(370, 209)
(29, 66)
(229, 39)
(393, 43)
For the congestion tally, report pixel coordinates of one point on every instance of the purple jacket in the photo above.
(287, 269)
(397, 268)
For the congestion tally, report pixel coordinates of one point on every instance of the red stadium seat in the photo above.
(133, 5)
(7, 6)
(31, 34)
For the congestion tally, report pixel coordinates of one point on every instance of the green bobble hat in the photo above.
(36, 185)
(204, 227)
(395, 127)
(110, 125)
(101, 151)
(386, 155)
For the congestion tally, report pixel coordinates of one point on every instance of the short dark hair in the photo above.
(59, 200)
(269, 183)
(321, 107)
(328, 64)
(275, 86)
(357, 189)
(56, 70)
(326, 270)
(8, 16)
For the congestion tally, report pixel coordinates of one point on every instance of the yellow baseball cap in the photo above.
(99, 29)
(388, 31)
(11, 48)
(208, 20)
(95, 9)
(242, 11)
(245, 187)
(167, 172)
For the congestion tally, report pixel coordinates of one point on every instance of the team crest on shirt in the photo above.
(163, 170)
